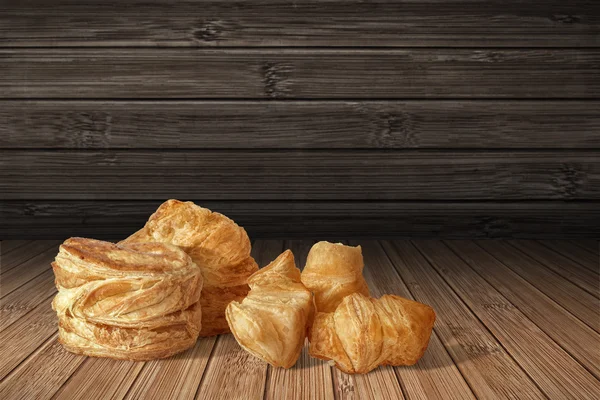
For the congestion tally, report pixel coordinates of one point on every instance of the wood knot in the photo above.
(488, 56)
(32, 209)
(88, 130)
(569, 180)
(209, 31)
(565, 18)
(393, 130)
(493, 227)
(276, 79)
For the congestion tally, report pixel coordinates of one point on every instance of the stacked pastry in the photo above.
(136, 302)
(216, 244)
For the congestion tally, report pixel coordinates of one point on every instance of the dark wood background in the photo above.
(444, 118)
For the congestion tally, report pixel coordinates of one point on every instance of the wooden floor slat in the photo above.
(583, 277)
(42, 375)
(484, 363)
(588, 260)
(576, 300)
(573, 335)
(25, 335)
(27, 271)
(229, 362)
(535, 352)
(100, 378)
(591, 245)
(176, 377)
(294, 383)
(24, 299)
(9, 245)
(513, 320)
(23, 254)
(435, 376)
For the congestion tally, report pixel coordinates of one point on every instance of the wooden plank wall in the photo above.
(446, 118)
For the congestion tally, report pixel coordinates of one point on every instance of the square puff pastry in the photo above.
(216, 244)
(332, 272)
(271, 321)
(364, 333)
(135, 302)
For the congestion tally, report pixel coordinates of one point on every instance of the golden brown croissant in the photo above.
(332, 272)
(216, 244)
(137, 301)
(271, 321)
(364, 333)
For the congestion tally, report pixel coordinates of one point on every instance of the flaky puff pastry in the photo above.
(271, 322)
(216, 244)
(137, 302)
(332, 272)
(364, 333)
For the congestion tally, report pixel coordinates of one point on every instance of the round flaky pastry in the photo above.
(216, 244)
(134, 301)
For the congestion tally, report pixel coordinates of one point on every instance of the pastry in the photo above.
(332, 272)
(137, 301)
(364, 333)
(216, 244)
(271, 321)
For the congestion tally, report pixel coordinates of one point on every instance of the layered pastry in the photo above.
(128, 301)
(271, 322)
(216, 244)
(364, 333)
(332, 272)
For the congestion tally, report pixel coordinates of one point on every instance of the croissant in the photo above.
(271, 321)
(332, 272)
(364, 333)
(135, 302)
(216, 244)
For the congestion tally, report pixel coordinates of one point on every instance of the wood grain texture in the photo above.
(586, 279)
(301, 23)
(118, 218)
(574, 336)
(587, 259)
(386, 386)
(176, 377)
(24, 253)
(34, 365)
(310, 378)
(577, 301)
(99, 378)
(535, 352)
(299, 175)
(291, 73)
(43, 373)
(10, 245)
(24, 336)
(482, 360)
(229, 362)
(591, 245)
(24, 299)
(299, 124)
(435, 376)
(26, 271)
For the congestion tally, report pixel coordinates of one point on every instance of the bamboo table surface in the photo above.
(515, 319)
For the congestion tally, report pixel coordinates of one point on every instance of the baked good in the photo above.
(216, 244)
(271, 322)
(136, 301)
(176, 334)
(364, 333)
(332, 272)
